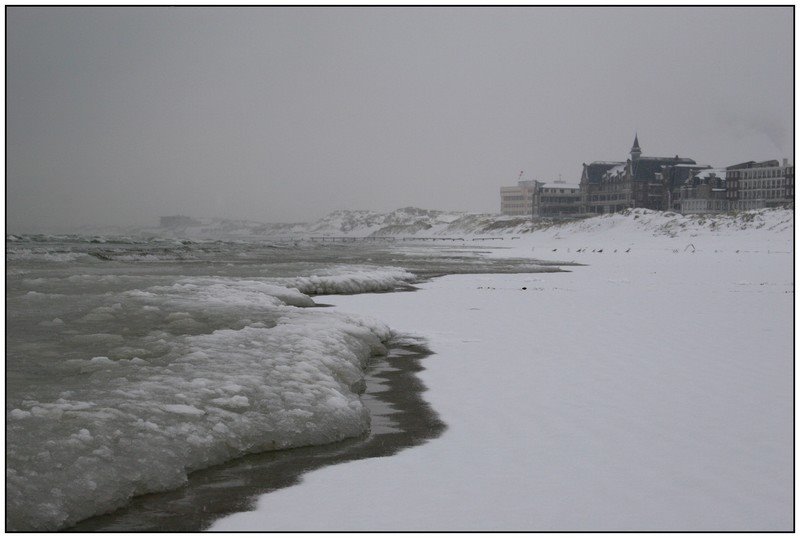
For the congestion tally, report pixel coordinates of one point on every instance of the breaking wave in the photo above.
(352, 282)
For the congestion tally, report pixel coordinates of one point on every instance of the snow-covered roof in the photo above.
(609, 163)
(707, 173)
(620, 168)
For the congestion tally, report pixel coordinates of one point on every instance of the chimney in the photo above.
(785, 162)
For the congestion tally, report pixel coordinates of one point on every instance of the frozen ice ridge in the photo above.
(191, 374)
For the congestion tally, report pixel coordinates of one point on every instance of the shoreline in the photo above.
(234, 486)
(566, 412)
(400, 419)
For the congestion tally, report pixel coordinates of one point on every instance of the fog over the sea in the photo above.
(116, 116)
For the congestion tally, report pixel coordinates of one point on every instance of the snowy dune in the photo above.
(412, 222)
(648, 390)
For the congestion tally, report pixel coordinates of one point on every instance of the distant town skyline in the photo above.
(116, 116)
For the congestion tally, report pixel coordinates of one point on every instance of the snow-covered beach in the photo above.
(651, 389)
(473, 268)
(647, 387)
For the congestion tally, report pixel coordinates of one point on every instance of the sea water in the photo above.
(131, 362)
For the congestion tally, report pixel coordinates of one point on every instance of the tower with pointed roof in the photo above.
(636, 151)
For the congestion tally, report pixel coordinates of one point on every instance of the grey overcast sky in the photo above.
(119, 115)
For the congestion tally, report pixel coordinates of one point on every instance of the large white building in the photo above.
(517, 200)
(753, 185)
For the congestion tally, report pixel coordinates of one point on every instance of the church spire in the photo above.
(636, 151)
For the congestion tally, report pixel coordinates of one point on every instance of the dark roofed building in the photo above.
(647, 168)
(641, 181)
(680, 184)
(704, 192)
(593, 173)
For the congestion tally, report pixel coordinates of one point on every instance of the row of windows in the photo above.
(767, 183)
(721, 205)
(515, 212)
(553, 190)
(704, 204)
(560, 199)
(750, 204)
(758, 195)
(606, 197)
(757, 173)
(558, 211)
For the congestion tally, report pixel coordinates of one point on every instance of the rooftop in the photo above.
(560, 186)
(718, 172)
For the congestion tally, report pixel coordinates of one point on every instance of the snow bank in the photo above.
(664, 229)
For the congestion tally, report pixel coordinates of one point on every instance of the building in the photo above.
(753, 185)
(788, 186)
(750, 185)
(704, 192)
(556, 201)
(640, 181)
(598, 194)
(517, 200)
(658, 183)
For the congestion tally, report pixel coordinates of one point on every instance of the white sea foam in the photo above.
(39, 254)
(226, 291)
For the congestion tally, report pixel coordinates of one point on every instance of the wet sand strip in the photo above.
(400, 419)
